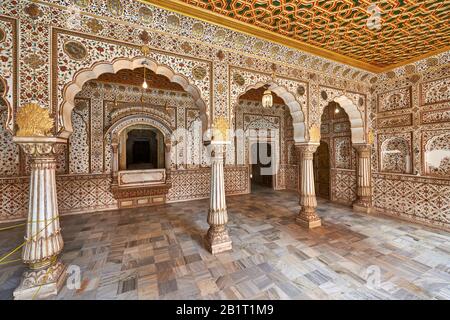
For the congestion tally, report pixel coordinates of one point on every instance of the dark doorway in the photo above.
(141, 152)
(322, 171)
(261, 154)
(142, 149)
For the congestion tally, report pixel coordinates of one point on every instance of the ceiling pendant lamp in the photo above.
(267, 99)
(144, 84)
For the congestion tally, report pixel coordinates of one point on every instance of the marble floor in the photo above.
(157, 253)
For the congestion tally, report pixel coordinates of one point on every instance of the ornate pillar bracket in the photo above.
(217, 239)
(363, 203)
(43, 240)
(307, 216)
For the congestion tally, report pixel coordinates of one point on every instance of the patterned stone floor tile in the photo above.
(158, 253)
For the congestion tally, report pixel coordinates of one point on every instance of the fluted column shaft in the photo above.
(364, 185)
(217, 238)
(307, 215)
(43, 240)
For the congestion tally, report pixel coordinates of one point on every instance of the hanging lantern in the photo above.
(267, 99)
(144, 84)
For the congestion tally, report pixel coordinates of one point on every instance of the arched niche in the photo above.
(396, 155)
(116, 137)
(437, 155)
(355, 117)
(99, 68)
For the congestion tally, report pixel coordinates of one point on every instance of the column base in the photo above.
(40, 284)
(358, 207)
(218, 241)
(308, 219)
(308, 224)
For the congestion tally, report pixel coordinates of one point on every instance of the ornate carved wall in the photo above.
(64, 43)
(335, 131)
(411, 153)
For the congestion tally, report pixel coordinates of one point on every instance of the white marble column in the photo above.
(307, 216)
(217, 239)
(43, 240)
(115, 160)
(168, 160)
(363, 202)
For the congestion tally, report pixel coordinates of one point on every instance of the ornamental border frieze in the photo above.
(410, 178)
(217, 37)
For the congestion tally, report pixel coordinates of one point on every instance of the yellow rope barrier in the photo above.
(12, 227)
(23, 243)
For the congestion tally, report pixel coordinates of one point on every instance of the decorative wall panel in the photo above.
(394, 100)
(436, 146)
(435, 91)
(395, 152)
(343, 184)
(419, 199)
(79, 142)
(402, 120)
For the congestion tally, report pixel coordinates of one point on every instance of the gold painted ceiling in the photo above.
(338, 30)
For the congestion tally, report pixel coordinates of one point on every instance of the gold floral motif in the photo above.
(220, 129)
(314, 133)
(33, 121)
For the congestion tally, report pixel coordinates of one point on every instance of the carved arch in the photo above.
(298, 118)
(99, 68)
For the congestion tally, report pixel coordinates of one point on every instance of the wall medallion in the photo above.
(238, 79)
(414, 78)
(258, 46)
(145, 14)
(240, 42)
(34, 61)
(220, 36)
(197, 29)
(173, 22)
(274, 51)
(2, 35)
(361, 101)
(324, 95)
(115, 7)
(75, 50)
(33, 11)
(431, 62)
(199, 73)
(390, 74)
(82, 3)
(410, 68)
(301, 90)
